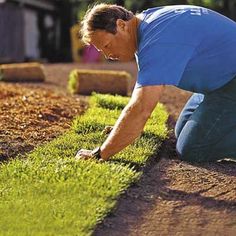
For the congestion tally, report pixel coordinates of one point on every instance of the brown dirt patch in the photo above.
(175, 198)
(31, 115)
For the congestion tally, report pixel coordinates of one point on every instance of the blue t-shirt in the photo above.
(191, 47)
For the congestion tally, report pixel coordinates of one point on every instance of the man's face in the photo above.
(119, 46)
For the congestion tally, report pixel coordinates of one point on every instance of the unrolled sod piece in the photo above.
(102, 81)
(22, 72)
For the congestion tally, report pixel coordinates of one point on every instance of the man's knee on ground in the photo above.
(179, 126)
(177, 131)
(187, 152)
(193, 153)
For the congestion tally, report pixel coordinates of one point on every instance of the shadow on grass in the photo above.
(3, 158)
(12, 152)
(150, 161)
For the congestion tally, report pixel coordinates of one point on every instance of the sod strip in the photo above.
(50, 193)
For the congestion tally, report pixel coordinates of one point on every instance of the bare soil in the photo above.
(171, 198)
(31, 115)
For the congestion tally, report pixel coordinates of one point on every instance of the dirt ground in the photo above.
(31, 115)
(171, 198)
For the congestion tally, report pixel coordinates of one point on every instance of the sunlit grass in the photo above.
(50, 193)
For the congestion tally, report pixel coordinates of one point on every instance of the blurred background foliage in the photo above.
(226, 7)
(47, 30)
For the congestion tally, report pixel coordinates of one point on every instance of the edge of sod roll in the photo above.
(82, 81)
(22, 72)
(1, 75)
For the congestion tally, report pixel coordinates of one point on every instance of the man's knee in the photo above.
(178, 130)
(187, 152)
(193, 154)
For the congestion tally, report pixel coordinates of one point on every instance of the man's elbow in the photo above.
(139, 111)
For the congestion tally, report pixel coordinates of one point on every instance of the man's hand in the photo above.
(84, 154)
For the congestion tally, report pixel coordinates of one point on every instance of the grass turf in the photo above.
(50, 193)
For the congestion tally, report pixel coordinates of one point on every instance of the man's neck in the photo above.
(134, 23)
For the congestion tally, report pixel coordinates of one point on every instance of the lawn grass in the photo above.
(48, 192)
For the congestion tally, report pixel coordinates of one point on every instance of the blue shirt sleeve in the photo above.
(162, 63)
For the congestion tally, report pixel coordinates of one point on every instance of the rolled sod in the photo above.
(22, 72)
(101, 81)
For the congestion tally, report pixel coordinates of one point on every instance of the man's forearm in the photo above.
(127, 128)
(130, 123)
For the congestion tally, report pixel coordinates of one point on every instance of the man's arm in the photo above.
(132, 120)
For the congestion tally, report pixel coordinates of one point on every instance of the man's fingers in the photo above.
(82, 157)
(83, 154)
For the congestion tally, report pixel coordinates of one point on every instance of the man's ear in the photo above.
(120, 24)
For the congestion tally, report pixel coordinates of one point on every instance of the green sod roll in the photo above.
(101, 81)
(22, 72)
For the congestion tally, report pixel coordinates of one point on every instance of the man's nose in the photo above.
(106, 54)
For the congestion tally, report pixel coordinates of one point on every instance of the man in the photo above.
(190, 47)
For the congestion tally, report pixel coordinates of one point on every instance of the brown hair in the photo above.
(102, 17)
